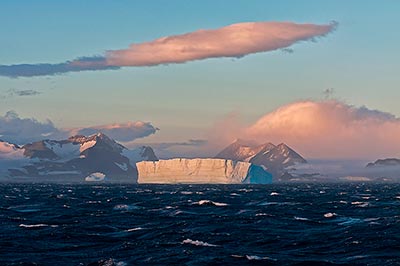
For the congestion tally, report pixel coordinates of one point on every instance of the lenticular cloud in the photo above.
(236, 40)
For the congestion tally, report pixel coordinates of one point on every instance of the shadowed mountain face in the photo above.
(77, 157)
(274, 158)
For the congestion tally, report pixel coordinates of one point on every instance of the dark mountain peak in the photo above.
(148, 154)
(276, 159)
(39, 149)
(263, 148)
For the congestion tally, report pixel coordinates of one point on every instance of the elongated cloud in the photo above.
(122, 132)
(20, 131)
(77, 65)
(330, 129)
(236, 40)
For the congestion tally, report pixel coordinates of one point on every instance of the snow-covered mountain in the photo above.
(75, 158)
(276, 159)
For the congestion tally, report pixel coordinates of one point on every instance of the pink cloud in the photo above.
(23, 130)
(235, 40)
(119, 131)
(329, 129)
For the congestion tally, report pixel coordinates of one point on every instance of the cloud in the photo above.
(165, 150)
(18, 130)
(77, 65)
(330, 129)
(124, 132)
(19, 93)
(22, 130)
(168, 145)
(236, 40)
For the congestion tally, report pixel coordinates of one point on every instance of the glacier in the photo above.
(201, 171)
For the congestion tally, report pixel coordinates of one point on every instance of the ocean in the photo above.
(279, 224)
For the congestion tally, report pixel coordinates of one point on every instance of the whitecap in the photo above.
(274, 193)
(330, 215)
(37, 225)
(134, 229)
(301, 218)
(360, 204)
(186, 192)
(254, 257)
(245, 190)
(198, 243)
(210, 202)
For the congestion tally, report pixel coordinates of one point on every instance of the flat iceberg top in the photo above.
(181, 170)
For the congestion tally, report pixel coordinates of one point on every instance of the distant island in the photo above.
(98, 158)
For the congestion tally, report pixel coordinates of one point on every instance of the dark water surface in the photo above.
(296, 224)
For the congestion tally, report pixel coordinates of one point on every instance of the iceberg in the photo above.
(201, 171)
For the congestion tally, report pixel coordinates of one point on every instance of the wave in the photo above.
(301, 218)
(134, 229)
(37, 225)
(108, 262)
(210, 202)
(198, 243)
(125, 207)
(330, 215)
(254, 257)
(350, 221)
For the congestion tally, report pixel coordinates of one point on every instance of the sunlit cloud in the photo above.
(235, 41)
(124, 132)
(20, 131)
(328, 129)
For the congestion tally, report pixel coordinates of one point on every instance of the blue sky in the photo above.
(360, 60)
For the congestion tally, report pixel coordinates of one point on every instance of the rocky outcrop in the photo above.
(201, 171)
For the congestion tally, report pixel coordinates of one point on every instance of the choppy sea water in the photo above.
(285, 224)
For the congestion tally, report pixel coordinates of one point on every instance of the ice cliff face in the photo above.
(201, 171)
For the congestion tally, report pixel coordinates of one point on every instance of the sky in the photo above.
(334, 61)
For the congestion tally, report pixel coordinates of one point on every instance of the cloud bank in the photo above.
(329, 129)
(18, 130)
(236, 40)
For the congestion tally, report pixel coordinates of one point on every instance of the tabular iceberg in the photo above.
(201, 171)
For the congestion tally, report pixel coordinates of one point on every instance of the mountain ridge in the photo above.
(75, 157)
